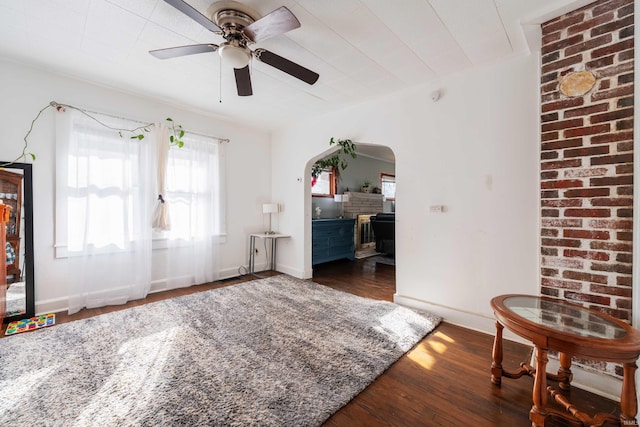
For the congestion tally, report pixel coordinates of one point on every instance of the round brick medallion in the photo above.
(577, 84)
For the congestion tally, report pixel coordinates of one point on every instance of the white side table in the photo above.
(273, 237)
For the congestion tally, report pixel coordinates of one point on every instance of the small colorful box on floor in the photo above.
(29, 324)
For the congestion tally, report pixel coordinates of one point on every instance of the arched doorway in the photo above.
(372, 163)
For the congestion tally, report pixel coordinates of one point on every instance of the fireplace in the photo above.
(365, 239)
(361, 206)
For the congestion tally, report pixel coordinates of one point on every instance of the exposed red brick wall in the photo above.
(586, 178)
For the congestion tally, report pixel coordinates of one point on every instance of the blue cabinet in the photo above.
(332, 239)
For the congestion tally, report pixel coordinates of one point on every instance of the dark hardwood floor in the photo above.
(443, 381)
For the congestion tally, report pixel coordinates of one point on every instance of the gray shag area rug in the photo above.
(272, 352)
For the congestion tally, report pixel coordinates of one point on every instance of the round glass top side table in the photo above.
(571, 330)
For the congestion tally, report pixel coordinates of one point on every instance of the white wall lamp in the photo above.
(270, 208)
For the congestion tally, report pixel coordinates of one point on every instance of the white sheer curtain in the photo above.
(195, 200)
(105, 207)
(161, 220)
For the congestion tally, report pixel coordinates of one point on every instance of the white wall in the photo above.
(26, 90)
(475, 151)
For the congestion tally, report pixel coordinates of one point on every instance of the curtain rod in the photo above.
(55, 104)
(225, 140)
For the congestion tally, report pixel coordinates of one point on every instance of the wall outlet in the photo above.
(436, 208)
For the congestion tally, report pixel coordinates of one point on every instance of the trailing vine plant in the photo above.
(338, 161)
(175, 138)
(176, 133)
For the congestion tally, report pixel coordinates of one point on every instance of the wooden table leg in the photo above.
(496, 365)
(564, 372)
(628, 399)
(538, 411)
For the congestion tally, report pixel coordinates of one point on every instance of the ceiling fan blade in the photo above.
(243, 81)
(275, 23)
(193, 14)
(283, 64)
(172, 52)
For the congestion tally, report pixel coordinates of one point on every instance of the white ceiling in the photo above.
(360, 48)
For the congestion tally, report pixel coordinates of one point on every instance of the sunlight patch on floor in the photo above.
(16, 391)
(423, 353)
(142, 363)
(421, 356)
(400, 327)
(444, 337)
(438, 347)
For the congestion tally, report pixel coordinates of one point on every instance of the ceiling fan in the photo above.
(240, 27)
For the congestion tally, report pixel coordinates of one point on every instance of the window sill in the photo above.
(158, 243)
(161, 243)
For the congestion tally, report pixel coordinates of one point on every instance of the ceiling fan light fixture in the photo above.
(236, 56)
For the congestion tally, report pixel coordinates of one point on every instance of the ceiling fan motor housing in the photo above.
(234, 50)
(232, 19)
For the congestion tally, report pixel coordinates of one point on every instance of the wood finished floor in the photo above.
(443, 381)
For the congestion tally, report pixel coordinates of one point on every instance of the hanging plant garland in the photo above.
(176, 133)
(175, 138)
(338, 161)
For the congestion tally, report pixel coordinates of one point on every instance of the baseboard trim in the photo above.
(467, 319)
(53, 305)
(297, 273)
(57, 305)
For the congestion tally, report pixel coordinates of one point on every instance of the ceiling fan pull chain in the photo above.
(220, 83)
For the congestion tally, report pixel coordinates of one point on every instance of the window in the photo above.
(388, 186)
(194, 189)
(105, 187)
(100, 184)
(325, 184)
